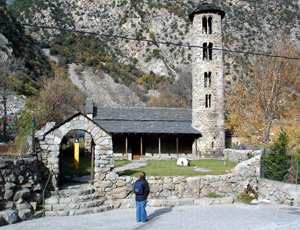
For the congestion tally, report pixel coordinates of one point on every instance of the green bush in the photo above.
(277, 162)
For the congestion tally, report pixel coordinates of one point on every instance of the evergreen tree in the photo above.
(277, 162)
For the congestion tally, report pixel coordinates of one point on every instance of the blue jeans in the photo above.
(141, 214)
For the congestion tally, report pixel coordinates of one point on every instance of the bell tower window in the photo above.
(207, 101)
(205, 54)
(207, 79)
(209, 23)
(210, 47)
(204, 25)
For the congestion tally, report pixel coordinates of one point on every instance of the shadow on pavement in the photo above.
(153, 216)
(158, 212)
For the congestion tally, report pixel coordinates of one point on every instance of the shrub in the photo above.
(276, 163)
(213, 195)
(248, 195)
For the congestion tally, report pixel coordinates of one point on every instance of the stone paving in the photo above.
(224, 217)
(132, 165)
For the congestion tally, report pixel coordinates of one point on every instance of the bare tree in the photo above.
(58, 100)
(176, 94)
(267, 99)
(8, 69)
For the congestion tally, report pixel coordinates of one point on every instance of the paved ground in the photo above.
(131, 165)
(224, 217)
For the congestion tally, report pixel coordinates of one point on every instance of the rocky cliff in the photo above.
(253, 26)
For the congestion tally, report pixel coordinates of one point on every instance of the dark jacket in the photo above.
(146, 192)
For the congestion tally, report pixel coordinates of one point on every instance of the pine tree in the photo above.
(277, 162)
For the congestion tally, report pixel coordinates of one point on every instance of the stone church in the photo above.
(161, 133)
(166, 133)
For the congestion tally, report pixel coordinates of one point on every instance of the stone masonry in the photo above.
(208, 85)
(50, 140)
(22, 181)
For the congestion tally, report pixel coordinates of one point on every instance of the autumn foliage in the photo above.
(267, 99)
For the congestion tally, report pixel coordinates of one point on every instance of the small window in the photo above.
(209, 22)
(212, 144)
(204, 25)
(210, 47)
(207, 101)
(207, 79)
(205, 51)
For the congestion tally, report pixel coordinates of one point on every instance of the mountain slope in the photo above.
(253, 26)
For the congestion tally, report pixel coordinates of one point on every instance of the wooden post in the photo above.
(126, 146)
(196, 147)
(92, 162)
(177, 147)
(159, 147)
(141, 146)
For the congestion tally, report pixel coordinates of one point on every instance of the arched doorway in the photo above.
(69, 173)
(50, 139)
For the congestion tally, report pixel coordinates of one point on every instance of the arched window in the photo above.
(210, 47)
(204, 51)
(204, 25)
(209, 25)
(207, 79)
(207, 101)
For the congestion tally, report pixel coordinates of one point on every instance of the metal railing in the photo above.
(44, 190)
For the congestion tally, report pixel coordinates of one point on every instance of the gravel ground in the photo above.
(235, 216)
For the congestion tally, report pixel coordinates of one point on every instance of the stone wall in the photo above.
(21, 183)
(235, 155)
(279, 192)
(157, 156)
(181, 190)
(50, 140)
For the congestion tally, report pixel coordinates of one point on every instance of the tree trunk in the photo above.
(4, 101)
(266, 134)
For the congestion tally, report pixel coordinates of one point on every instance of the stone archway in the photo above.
(51, 136)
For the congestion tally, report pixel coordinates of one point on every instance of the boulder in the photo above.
(183, 162)
(25, 214)
(23, 194)
(23, 206)
(2, 221)
(8, 194)
(120, 193)
(10, 216)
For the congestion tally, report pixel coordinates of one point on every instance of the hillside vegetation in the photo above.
(159, 74)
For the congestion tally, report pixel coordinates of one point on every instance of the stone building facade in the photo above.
(208, 84)
(50, 140)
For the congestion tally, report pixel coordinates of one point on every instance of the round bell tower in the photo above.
(208, 82)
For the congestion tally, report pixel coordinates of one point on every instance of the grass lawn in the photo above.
(169, 168)
(119, 163)
(84, 166)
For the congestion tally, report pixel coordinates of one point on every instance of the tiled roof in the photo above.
(207, 8)
(146, 120)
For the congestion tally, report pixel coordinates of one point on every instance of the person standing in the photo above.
(141, 190)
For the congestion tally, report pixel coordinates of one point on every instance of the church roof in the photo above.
(207, 8)
(146, 120)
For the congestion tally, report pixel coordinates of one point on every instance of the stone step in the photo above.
(89, 210)
(85, 205)
(85, 198)
(76, 192)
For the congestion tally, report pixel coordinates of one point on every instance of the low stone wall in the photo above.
(235, 155)
(21, 184)
(279, 192)
(180, 190)
(157, 156)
